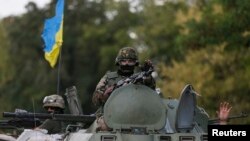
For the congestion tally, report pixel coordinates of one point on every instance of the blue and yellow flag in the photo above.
(53, 34)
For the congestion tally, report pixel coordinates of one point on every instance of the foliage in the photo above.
(221, 21)
(6, 68)
(215, 76)
(216, 49)
(158, 30)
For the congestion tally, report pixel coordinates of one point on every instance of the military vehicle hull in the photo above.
(137, 113)
(81, 136)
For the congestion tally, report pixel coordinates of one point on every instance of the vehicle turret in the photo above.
(136, 108)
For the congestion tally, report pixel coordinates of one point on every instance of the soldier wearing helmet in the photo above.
(126, 61)
(54, 104)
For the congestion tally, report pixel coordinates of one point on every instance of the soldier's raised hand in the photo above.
(147, 65)
(223, 112)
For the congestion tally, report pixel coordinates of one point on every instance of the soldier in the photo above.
(54, 104)
(126, 60)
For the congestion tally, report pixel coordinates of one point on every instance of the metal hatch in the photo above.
(135, 106)
(186, 110)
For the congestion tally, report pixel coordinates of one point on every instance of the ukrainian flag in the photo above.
(53, 34)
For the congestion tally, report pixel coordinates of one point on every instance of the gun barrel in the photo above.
(27, 115)
(242, 115)
(4, 124)
(7, 127)
(61, 117)
(75, 118)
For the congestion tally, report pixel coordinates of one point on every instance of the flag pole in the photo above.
(59, 71)
(53, 38)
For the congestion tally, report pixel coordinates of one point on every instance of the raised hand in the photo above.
(223, 112)
(147, 65)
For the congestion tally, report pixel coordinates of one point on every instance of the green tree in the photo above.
(6, 69)
(158, 30)
(221, 21)
(216, 75)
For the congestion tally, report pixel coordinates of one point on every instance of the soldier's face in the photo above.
(51, 109)
(128, 62)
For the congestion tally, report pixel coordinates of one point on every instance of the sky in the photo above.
(17, 7)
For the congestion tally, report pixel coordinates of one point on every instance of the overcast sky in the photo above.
(16, 7)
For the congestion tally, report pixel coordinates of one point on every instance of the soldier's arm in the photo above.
(148, 80)
(99, 91)
(52, 126)
(45, 125)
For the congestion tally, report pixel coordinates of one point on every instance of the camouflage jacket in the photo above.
(109, 80)
(52, 126)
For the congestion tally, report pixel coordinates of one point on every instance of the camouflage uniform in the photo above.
(111, 78)
(52, 126)
(57, 102)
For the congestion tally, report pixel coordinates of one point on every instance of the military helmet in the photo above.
(53, 101)
(127, 53)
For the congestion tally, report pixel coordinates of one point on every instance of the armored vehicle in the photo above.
(135, 112)
(138, 113)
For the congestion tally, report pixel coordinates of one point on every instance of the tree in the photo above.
(215, 74)
(6, 69)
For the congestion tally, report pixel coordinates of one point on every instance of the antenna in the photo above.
(34, 111)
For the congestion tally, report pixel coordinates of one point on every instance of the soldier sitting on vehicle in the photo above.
(54, 104)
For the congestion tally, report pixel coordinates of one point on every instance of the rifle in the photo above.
(60, 117)
(216, 120)
(146, 70)
(135, 78)
(20, 123)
